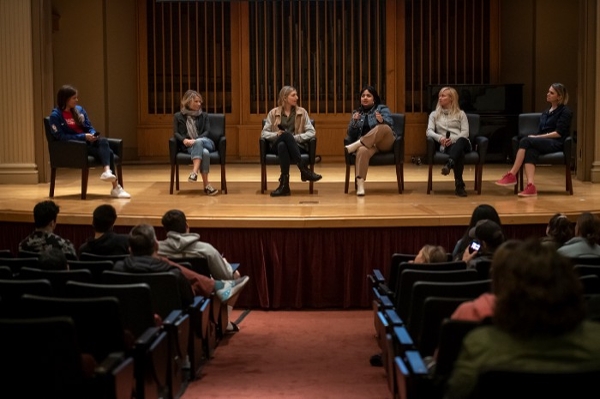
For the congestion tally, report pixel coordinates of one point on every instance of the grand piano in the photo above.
(499, 106)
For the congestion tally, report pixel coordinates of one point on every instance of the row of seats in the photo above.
(412, 310)
(73, 154)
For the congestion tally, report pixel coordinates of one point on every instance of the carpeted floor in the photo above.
(295, 354)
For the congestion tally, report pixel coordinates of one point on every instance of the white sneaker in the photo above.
(231, 288)
(108, 176)
(118, 192)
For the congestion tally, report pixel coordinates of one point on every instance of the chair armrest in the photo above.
(222, 149)
(347, 156)
(481, 144)
(431, 147)
(399, 148)
(116, 145)
(312, 150)
(70, 153)
(173, 149)
(263, 146)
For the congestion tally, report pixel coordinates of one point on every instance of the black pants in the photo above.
(534, 147)
(288, 151)
(457, 152)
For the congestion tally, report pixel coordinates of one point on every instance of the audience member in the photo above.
(538, 323)
(558, 231)
(370, 130)
(43, 237)
(587, 236)
(483, 211)
(105, 241)
(431, 254)
(487, 236)
(288, 130)
(53, 259)
(144, 259)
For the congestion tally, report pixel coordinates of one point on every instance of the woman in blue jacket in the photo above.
(69, 121)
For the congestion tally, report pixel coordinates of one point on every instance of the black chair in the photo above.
(98, 328)
(74, 155)
(529, 124)
(559, 384)
(409, 277)
(86, 256)
(219, 156)
(6, 253)
(393, 157)
(58, 278)
(476, 157)
(16, 264)
(399, 264)
(5, 272)
(31, 254)
(586, 270)
(452, 333)
(12, 290)
(586, 260)
(268, 158)
(96, 267)
(41, 358)
(591, 284)
(425, 289)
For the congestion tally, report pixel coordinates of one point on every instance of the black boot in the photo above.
(446, 168)
(284, 187)
(308, 175)
(460, 189)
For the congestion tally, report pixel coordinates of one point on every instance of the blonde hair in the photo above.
(454, 106)
(561, 90)
(434, 254)
(284, 93)
(187, 98)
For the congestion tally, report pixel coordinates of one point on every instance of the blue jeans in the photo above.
(201, 149)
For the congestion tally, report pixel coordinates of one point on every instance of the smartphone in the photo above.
(474, 247)
(96, 134)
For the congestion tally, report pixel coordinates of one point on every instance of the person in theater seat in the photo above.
(69, 121)
(587, 237)
(288, 130)
(191, 128)
(482, 211)
(558, 231)
(370, 130)
(448, 125)
(555, 126)
(105, 241)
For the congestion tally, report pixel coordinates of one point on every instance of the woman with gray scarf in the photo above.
(191, 129)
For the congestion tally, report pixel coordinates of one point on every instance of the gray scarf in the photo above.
(190, 122)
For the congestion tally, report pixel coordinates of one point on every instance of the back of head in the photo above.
(489, 233)
(432, 254)
(142, 240)
(44, 213)
(588, 227)
(538, 293)
(104, 218)
(53, 259)
(559, 229)
(174, 220)
(484, 211)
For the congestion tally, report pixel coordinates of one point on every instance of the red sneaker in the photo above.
(507, 180)
(530, 191)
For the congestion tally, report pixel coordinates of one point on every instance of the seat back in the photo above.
(528, 123)
(12, 290)
(199, 265)
(58, 278)
(440, 266)
(16, 264)
(5, 272)
(41, 358)
(6, 253)
(452, 333)
(96, 267)
(586, 270)
(435, 310)
(86, 256)
(591, 284)
(217, 127)
(474, 126)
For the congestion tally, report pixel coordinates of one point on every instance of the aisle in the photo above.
(295, 354)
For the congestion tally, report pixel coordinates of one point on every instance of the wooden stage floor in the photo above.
(245, 207)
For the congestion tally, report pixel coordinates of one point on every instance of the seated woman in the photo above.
(191, 129)
(288, 129)
(371, 128)
(69, 121)
(587, 236)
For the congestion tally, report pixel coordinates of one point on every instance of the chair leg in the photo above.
(172, 178)
(347, 178)
(263, 178)
(223, 180)
(478, 178)
(430, 179)
(52, 182)
(85, 172)
(177, 177)
(400, 177)
(568, 179)
(311, 184)
(120, 175)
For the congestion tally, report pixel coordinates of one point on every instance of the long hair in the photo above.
(559, 229)
(187, 98)
(284, 93)
(454, 105)
(63, 95)
(373, 91)
(588, 227)
(481, 212)
(434, 254)
(538, 293)
(561, 90)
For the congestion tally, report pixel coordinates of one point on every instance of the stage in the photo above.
(303, 250)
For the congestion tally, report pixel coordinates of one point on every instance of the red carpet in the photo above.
(295, 354)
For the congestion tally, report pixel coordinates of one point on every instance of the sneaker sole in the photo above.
(505, 184)
(110, 179)
(212, 193)
(527, 195)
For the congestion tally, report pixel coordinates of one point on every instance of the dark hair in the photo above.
(174, 220)
(588, 227)
(561, 90)
(538, 292)
(481, 212)
(53, 259)
(63, 95)
(560, 229)
(373, 91)
(142, 240)
(103, 218)
(45, 212)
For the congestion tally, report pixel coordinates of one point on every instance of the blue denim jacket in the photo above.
(355, 127)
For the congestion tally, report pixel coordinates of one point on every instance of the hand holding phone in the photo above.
(96, 134)
(474, 247)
